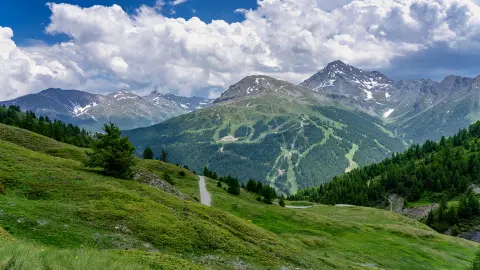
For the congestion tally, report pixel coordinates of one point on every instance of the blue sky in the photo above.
(200, 47)
(28, 18)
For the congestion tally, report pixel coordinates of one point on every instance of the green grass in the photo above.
(57, 211)
(351, 237)
(57, 203)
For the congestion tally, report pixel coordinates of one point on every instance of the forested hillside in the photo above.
(58, 130)
(434, 171)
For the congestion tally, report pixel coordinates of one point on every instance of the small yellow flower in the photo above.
(76, 257)
(249, 221)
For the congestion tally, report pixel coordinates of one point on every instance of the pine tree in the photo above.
(234, 186)
(148, 153)
(113, 153)
(251, 186)
(164, 156)
(282, 201)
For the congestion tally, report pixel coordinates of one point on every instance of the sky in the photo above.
(200, 47)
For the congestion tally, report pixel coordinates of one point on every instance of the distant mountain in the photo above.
(295, 136)
(274, 131)
(91, 111)
(416, 110)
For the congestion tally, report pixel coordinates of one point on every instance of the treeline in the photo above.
(432, 170)
(445, 217)
(266, 193)
(232, 182)
(58, 130)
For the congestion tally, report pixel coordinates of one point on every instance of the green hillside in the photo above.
(291, 140)
(61, 215)
(425, 174)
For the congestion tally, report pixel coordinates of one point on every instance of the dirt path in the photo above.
(204, 195)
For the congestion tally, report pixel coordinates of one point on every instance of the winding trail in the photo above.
(204, 195)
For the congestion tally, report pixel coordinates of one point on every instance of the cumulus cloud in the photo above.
(286, 39)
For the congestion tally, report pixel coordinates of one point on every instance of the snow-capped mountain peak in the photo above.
(342, 79)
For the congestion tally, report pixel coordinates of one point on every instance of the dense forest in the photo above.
(434, 171)
(58, 130)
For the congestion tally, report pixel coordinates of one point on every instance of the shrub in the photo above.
(182, 174)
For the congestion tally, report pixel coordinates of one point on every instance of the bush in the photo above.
(182, 174)
(455, 230)
(2, 188)
(219, 184)
(168, 178)
(259, 199)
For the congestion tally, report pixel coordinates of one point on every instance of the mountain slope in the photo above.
(61, 213)
(416, 109)
(272, 130)
(91, 111)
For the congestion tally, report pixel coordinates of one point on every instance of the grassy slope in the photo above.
(351, 237)
(55, 202)
(59, 212)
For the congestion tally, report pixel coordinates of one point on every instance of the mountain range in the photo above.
(124, 108)
(290, 136)
(295, 136)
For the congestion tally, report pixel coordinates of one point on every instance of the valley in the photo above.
(51, 205)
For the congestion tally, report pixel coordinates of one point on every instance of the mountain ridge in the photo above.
(122, 107)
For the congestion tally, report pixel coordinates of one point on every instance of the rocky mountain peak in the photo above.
(254, 86)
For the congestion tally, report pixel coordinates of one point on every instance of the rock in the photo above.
(155, 181)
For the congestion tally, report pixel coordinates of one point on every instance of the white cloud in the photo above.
(178, 2)
(287, 39)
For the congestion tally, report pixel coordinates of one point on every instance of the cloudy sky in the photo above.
(192, 47)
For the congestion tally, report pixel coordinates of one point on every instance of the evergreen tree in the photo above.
(148, 153)
(282, 201)
(219, 184)
(251, 186)
(164, 156)
(113, 153)
(234, 186)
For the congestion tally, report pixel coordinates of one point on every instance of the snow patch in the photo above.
(369, 94)
(184, 106)
(79, 110)
(387, 95)
(387, 113)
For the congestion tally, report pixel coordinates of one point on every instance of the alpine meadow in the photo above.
(252, 134)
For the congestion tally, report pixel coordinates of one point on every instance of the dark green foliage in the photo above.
(148, 153)
(233, 186)
(282, 201)
(219, 184)
(182, 174)
(251, 186)
(56, 129)
(167, 178)
(112, 153)
(455, 230)
(448, 167)
(164, 156)
(269, 194)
